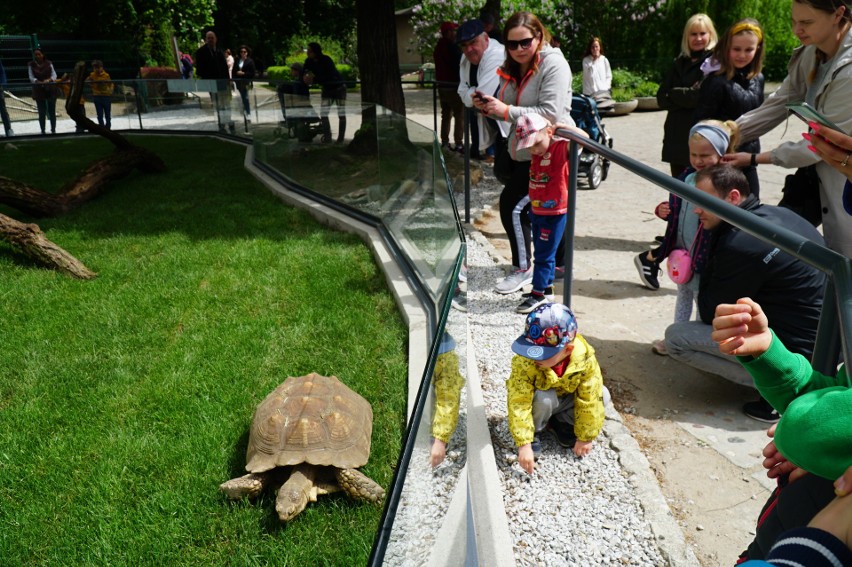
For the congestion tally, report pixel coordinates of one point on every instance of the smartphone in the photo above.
(478, 95)
(809, 114)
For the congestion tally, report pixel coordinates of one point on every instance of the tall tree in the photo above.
(378, 61)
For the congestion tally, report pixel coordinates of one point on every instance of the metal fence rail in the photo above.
(835, 326)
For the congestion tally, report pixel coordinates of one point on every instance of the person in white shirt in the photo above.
(597, 74)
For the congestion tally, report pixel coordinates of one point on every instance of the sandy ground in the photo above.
(704, 451)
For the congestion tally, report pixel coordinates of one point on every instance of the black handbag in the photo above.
(801, 194)
(504, 165)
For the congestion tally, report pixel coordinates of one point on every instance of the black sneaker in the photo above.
(531, 302)
(761, 410)
(536, 447)
(548, 293)
(563, 431)
(648, 271)
(659, 238)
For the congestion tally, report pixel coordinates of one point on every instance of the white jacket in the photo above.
(488, 81)
(834, 100)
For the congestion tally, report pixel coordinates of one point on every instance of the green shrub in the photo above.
(279, 73)
(647, 88)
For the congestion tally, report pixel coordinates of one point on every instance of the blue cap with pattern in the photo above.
(548, 329)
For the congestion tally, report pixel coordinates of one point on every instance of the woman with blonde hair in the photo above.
(535, 78)
(678, 92)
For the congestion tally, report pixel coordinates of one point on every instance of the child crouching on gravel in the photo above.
(554, 370)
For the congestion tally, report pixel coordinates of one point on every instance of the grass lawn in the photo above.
(126, 400)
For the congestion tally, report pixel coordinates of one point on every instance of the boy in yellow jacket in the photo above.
(102, 88)
(554, 371)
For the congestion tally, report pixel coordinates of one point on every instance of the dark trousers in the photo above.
(47, 109)
(4, 114)
(452, 108)
(103, 107)
(331, 97)
(791, 505)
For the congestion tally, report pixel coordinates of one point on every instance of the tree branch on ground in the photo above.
(92, 181)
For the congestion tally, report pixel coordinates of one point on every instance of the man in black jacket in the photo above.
(742, 265)
(210, 64)
(320, 69)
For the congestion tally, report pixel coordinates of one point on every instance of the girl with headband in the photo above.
(708, 141)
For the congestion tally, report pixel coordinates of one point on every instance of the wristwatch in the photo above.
(754, 160)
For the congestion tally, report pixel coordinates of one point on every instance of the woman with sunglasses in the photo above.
(534, 78)
(819, 73)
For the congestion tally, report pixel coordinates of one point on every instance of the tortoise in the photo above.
(319, 427)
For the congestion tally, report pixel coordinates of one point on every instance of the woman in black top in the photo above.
(678, 93)
(243, 74)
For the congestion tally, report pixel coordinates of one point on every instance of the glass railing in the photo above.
(380, 165)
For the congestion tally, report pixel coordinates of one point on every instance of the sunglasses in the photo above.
(513, 45)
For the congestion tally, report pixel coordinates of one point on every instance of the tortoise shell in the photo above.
(310, 419)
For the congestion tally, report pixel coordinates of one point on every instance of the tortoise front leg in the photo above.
(295, 494)
(359, 486)
(246, 486)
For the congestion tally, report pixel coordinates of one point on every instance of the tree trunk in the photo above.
(378, 60)
(29, 239)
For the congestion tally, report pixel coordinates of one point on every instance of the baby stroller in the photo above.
(592, 166)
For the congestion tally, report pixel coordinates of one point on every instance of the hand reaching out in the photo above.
(438, 453)
(741, 328)
(832, 146)
(526, 458)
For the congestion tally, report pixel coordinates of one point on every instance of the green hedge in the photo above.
(282, 73)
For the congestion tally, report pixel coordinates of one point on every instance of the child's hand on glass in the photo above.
(526, 458)
(582, 448)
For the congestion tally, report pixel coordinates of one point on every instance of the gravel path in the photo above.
(571, 511)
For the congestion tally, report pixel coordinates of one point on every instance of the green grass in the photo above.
(126, 400)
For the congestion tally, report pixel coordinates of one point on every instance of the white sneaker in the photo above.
(515, 280)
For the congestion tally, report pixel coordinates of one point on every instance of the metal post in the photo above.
(570, 222)
(434, 106)
(466, 167)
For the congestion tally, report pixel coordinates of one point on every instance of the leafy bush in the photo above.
(278, 73)
(647, 88)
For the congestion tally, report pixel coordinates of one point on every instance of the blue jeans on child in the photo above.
(547, 234)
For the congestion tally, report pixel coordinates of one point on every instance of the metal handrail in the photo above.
(835, 265)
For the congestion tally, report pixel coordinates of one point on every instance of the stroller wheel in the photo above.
(596, 173)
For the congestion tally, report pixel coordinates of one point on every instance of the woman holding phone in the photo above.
(819, 73)
(534, 78)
